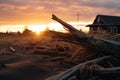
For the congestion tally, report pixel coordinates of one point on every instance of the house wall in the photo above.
(118, 29)
(113, 29)
(96, 29)
(93, 29)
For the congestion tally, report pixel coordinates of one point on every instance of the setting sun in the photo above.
(37, 28)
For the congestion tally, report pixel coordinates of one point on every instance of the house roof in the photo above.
(105, 20)
(94, 25)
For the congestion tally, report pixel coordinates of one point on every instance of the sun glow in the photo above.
(56, 27)
(40, 28)
(11, 28)
(36, 28)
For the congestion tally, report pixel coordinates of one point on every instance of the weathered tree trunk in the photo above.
(103, 45)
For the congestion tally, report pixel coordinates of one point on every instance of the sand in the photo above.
(30, 61)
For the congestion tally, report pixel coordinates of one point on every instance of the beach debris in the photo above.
(85, 70)
(74, 70)
(12, 49)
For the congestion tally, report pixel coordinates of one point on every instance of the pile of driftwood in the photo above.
(90, 70)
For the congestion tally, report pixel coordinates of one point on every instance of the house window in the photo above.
(114, 30)
(109, 29)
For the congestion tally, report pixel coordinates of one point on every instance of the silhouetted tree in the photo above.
(7, 32)
(47, 29)
(27, 31)
(19, 33)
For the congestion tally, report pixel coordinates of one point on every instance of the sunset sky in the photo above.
(35, 12)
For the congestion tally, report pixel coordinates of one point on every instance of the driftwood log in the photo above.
(75, 70)
(108, 47)
(99, 44)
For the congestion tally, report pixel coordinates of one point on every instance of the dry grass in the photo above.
(32, 44)
(107, 35)
(43, 53)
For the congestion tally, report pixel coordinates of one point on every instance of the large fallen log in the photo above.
(99, 44)
(71, 72)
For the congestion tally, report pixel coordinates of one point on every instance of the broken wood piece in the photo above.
(72, 29)
(12, 49)
(70, 72)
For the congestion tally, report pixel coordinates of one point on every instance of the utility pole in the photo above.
(78, 17)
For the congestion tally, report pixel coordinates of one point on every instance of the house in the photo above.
(110, 24)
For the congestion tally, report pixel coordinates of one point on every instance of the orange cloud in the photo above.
(39, 11)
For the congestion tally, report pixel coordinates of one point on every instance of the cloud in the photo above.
(39, 11)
